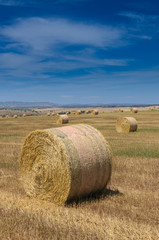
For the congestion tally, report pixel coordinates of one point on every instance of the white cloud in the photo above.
(139, 17)
(12, 2)
(72, 1)
(141, 26)
(18, 2)
(28, 66)
(35, 2)
(42, 34)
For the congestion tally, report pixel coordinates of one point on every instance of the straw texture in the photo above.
(59, 164)
(15, 116)
(61, 119)
(24, 115)
(126, 124)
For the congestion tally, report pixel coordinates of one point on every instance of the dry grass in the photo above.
(129, 209)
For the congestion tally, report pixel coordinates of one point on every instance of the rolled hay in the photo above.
(95, 112)
(151, 108)
(73, 113)
(62, 119)
(7, 116)
(59, 164)
(15, 116)
(78, 112)
(24, 115)
(86, 112)
(48, 114)
(52, 114)
(134, 110)
(126, 124)
(120, 110)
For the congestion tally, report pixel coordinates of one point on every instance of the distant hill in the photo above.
(11, 104)
(19, 105)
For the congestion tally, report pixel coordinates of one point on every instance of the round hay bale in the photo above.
(73, 113)
(48, 114)
(86, 112)
(59, 164)
(78, 112)
(15, 116)
(126, 124)
(52, 114)
(7, 116)
(95, 112)
(151, 109)
(120, 110)
(61, 119)
(24, 115)
(134, 110)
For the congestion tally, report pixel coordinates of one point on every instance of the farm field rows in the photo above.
(128, 209)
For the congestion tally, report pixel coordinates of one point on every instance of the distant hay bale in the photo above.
(48, 114)
(7, 116)
(15, 116)
(73, 113)
(86, 112)
(59, 164)
(52, 114)
(120, 110)
(134, 110)
(95, 112)
(62, 119)
(126, 124)
(24, 115)
(78, 112)
(151, 109)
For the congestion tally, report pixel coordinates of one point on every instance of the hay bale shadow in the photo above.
(100, 195)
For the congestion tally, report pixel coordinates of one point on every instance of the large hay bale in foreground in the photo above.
(61, 119)
(59, 164)
(95, 112)
(126, 124)
(134, 110)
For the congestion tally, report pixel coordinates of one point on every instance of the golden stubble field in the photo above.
(128, 209)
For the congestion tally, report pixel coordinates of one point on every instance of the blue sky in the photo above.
(79, 51)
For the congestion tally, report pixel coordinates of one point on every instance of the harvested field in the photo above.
(128, 209)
